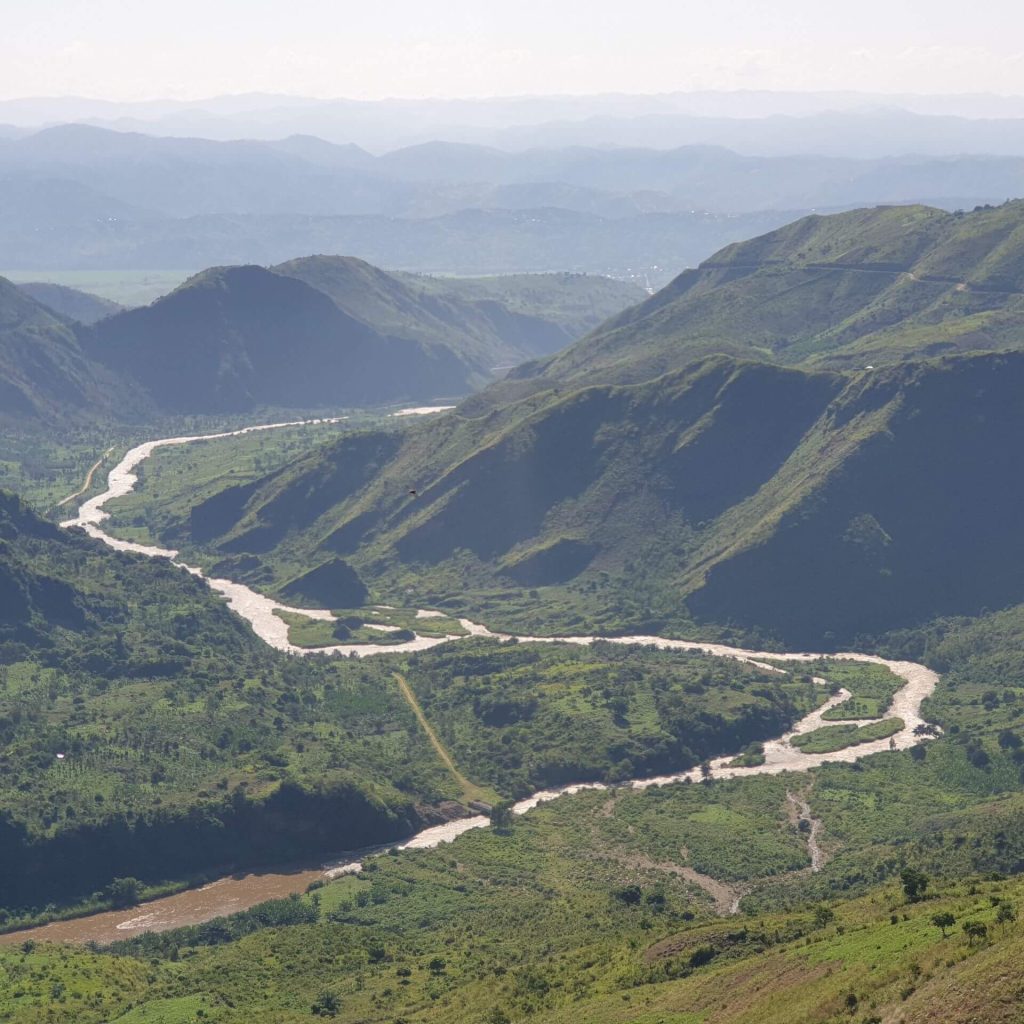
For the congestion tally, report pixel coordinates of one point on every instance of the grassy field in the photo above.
(356, 626)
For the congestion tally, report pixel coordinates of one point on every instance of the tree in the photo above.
(437, 965)
(502, 817)
(327, 1005)
(823, 915)
(944, 920)
(124, 892)
(914, 884)
(705, 771)
(975, 930)
(629, 894)
(1006, 914)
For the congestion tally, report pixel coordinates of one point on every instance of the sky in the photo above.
(189, 49)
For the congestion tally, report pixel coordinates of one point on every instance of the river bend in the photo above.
(242, 891)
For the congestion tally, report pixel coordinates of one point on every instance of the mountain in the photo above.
(861, 288)
(315, 333)
(640, 246)
(184, 177)
(497, 322)
(70, 302)
(44, 374)
(75, 195)
(812, 507)
(235, 339)
(849, 122)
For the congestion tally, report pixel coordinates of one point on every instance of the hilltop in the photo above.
(490, 322)
(845, 291)
(238, 338)
(320, 332)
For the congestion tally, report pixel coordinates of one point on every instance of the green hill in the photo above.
(490, 322)
(812, 506)
(145, 731)
(236, 339)
(44, 375)
(867, 287)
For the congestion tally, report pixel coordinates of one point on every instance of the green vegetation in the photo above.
(312, 633)
(580, 912)
(134, 706)
(839, 737)
(492, 322)
(356, 626)
(45, 378)
(750, 758)
(666, 507)
(524, 716)
(147, 738)
(866, 287)
(871, 687)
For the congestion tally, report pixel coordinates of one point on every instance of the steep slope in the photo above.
(499, 323)
(808, 506)
(901, 504)
(70, 302)
(239, 338)
(865, 287)
(44, 375)
(601, 479)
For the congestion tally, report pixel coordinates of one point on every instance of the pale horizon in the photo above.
(404, 50)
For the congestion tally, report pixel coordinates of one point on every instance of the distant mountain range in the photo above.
(322, 332)
(757, 122)
(78, 196)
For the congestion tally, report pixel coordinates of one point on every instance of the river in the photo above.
(246, 889)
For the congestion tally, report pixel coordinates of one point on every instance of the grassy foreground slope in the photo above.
(809, 506)
(592, 908)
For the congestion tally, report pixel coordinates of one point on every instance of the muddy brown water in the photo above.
(194, 906)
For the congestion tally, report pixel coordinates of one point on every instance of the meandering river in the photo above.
(244, 890)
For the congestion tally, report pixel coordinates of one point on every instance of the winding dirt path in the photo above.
(470, 791)
(88, 480)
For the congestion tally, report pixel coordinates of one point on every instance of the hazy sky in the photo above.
(139, 49)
